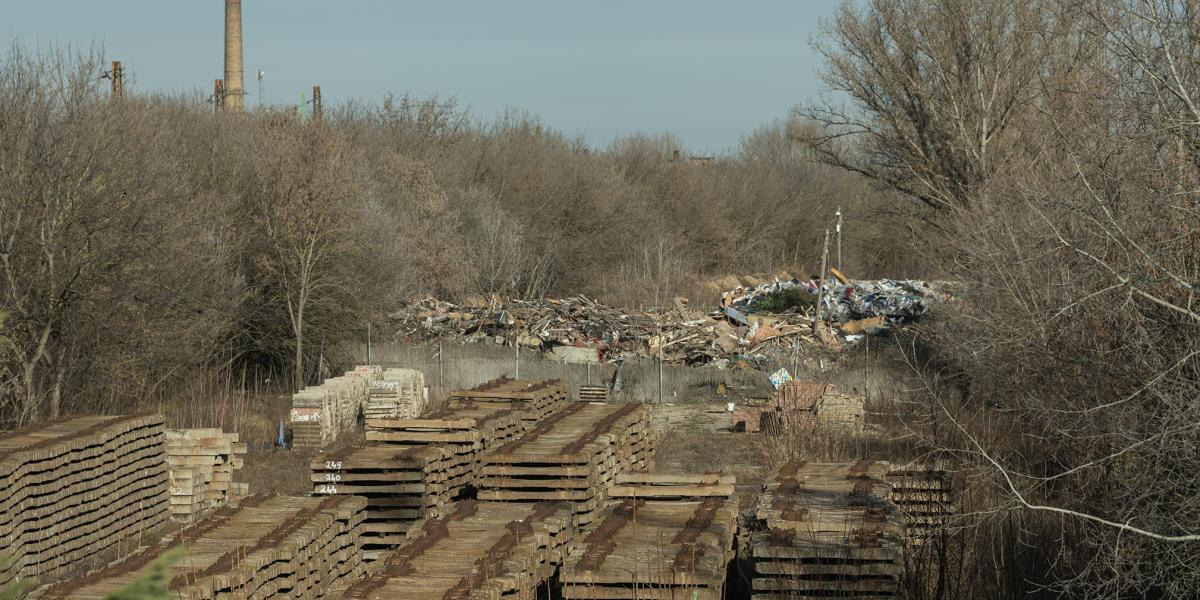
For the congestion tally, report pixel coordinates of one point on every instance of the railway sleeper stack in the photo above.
(466, 429)
(924, 491)
(593, 393)
(268, 547)
(410, 469)
(827, 530)
(202, 464)
(478, 551)
(321, 413)
(74, 488)
(402, 486)
(572, 455)
(399, 393)
(534, 400)
(660, 537)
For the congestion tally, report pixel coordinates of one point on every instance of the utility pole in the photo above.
(261, 75)
(117, 77)
(218, 95)
(317, 113)
(839, 241)
(821, 283)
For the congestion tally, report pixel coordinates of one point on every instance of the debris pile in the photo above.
(897, 301)
(481, 550)
(745, 329)
(70, 489)
(667, 536)
(202, 462)
(269, 547)
(580, 329)
(826, 530)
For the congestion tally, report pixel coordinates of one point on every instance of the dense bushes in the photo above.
(147, 239)
(1066, 198)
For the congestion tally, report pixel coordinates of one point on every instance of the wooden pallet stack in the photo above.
(72, 488)
(466, 428)
(402, 486)
(924, 491)
(410, 469)
(534, 400)
(202, 462)
(269, 547)
(662, 536)
(321, 413)
(593, 393)
(572, 455)
(841, 411)
(827, 530)
(398, 394)
(478, 551)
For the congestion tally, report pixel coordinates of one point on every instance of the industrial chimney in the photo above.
(235, 93)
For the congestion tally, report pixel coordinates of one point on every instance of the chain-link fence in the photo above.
(451, 366)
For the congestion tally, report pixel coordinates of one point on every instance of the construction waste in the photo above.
(740, 332)
(888, 300)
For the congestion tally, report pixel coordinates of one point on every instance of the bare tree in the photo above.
(1056, 143)
(307, 211)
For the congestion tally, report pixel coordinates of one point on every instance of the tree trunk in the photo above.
(299, 375)
(56, 392)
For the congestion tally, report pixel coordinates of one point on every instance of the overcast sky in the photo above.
(708, 71)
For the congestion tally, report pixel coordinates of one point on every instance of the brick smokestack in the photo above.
(234, 92)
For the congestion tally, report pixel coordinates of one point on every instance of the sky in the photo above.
(707, 71)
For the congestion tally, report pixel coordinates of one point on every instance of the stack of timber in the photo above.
(411, 468)
(842, 411)
(534, 400)
(202, 462)
(73, 488)
(924, 491)
(399, 393)
(572, 455)
(827, 530)
(663, 537)
(478, 551)
(466, 428)
(402, 486)
(321, 413)
(593, 393)
(269, 547)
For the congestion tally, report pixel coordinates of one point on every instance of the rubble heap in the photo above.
(681, 335)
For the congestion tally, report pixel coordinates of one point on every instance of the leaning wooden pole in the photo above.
(821, 284)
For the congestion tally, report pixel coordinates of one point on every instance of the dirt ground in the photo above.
(697, 439)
